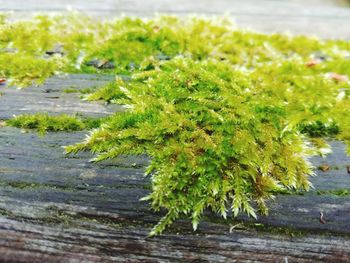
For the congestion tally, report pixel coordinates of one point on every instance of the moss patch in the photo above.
(44, 123)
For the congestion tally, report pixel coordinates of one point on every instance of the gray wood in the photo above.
(24, 242)
(52, 98)
(64, 208)
(132, 245)
(325, 19)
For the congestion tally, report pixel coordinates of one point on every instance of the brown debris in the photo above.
(348, 168)
(156, 29)
(338, 77)
(313, 62)
(101, 64)
(324, 167)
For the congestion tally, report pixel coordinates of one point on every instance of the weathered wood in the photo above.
(26, 242)
(61, 232)
(320, 18)
(52, 98)
(40, 160)
(58, 204)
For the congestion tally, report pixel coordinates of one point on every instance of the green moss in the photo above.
(109, 93)
(320, 129)
(194, 104)
(81, 44)
(228, 117)
(44, 123)
(336, 192)
(71, 90)
(77, 90)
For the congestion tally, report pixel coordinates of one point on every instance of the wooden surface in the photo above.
(55, 98)
(66, 209)
(322, 18)
(57, 208)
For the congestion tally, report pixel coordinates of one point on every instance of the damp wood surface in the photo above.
(67, 209)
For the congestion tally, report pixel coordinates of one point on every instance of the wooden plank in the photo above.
(325, 20)
(34, 159)
(26, 242)
(287, 8)
(71, 233)
(52, 98)
(55, 204)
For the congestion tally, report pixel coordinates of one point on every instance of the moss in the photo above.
(320, 129)
(109, 93)
(71, 90)
(78, 90)
(31, 50)
(336, 192)
(227, 116)
(44, 123)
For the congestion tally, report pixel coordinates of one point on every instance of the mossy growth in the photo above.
(337, 192)
(109, 93)
(31, 50)
(44, 123)
(83, 91)
(221, 138)
(319, 129)
(228, 117)
(212, 144)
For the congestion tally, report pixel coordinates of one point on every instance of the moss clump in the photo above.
(44, 123)
(34, 49)
(109, 93)
(81, 91)
(319, 129)
(212, 144)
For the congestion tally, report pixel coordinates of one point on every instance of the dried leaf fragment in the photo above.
(338, 77)
(313, 62)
